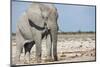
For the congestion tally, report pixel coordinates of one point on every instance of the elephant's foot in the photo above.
(38, 60)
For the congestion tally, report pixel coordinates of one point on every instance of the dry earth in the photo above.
(70, 48)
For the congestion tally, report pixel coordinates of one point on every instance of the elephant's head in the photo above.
(42, 15)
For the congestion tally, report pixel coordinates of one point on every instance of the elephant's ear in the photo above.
(34, 14)
(35, 26)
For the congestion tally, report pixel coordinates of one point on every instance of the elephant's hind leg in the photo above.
(18, 53)
(27, 48)
(27, 58)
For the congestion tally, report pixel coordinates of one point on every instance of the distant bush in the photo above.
(79, 32)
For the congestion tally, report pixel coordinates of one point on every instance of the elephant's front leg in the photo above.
(38, 47)
(49, 48)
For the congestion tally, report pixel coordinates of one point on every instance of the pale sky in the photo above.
(72, 18)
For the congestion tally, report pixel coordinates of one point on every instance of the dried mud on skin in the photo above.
(70, 48)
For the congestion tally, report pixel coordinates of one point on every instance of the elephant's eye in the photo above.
(46, 18)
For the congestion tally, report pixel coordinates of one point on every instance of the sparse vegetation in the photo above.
(79, 32)
(83, 50)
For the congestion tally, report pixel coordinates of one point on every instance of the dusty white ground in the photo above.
(70, 48)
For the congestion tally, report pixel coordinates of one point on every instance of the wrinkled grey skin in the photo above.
(37, 22)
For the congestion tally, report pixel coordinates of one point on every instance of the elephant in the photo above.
(37, 22)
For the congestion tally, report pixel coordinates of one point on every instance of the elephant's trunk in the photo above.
(54, 43)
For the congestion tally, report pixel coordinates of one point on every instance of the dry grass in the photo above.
(70, 48)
